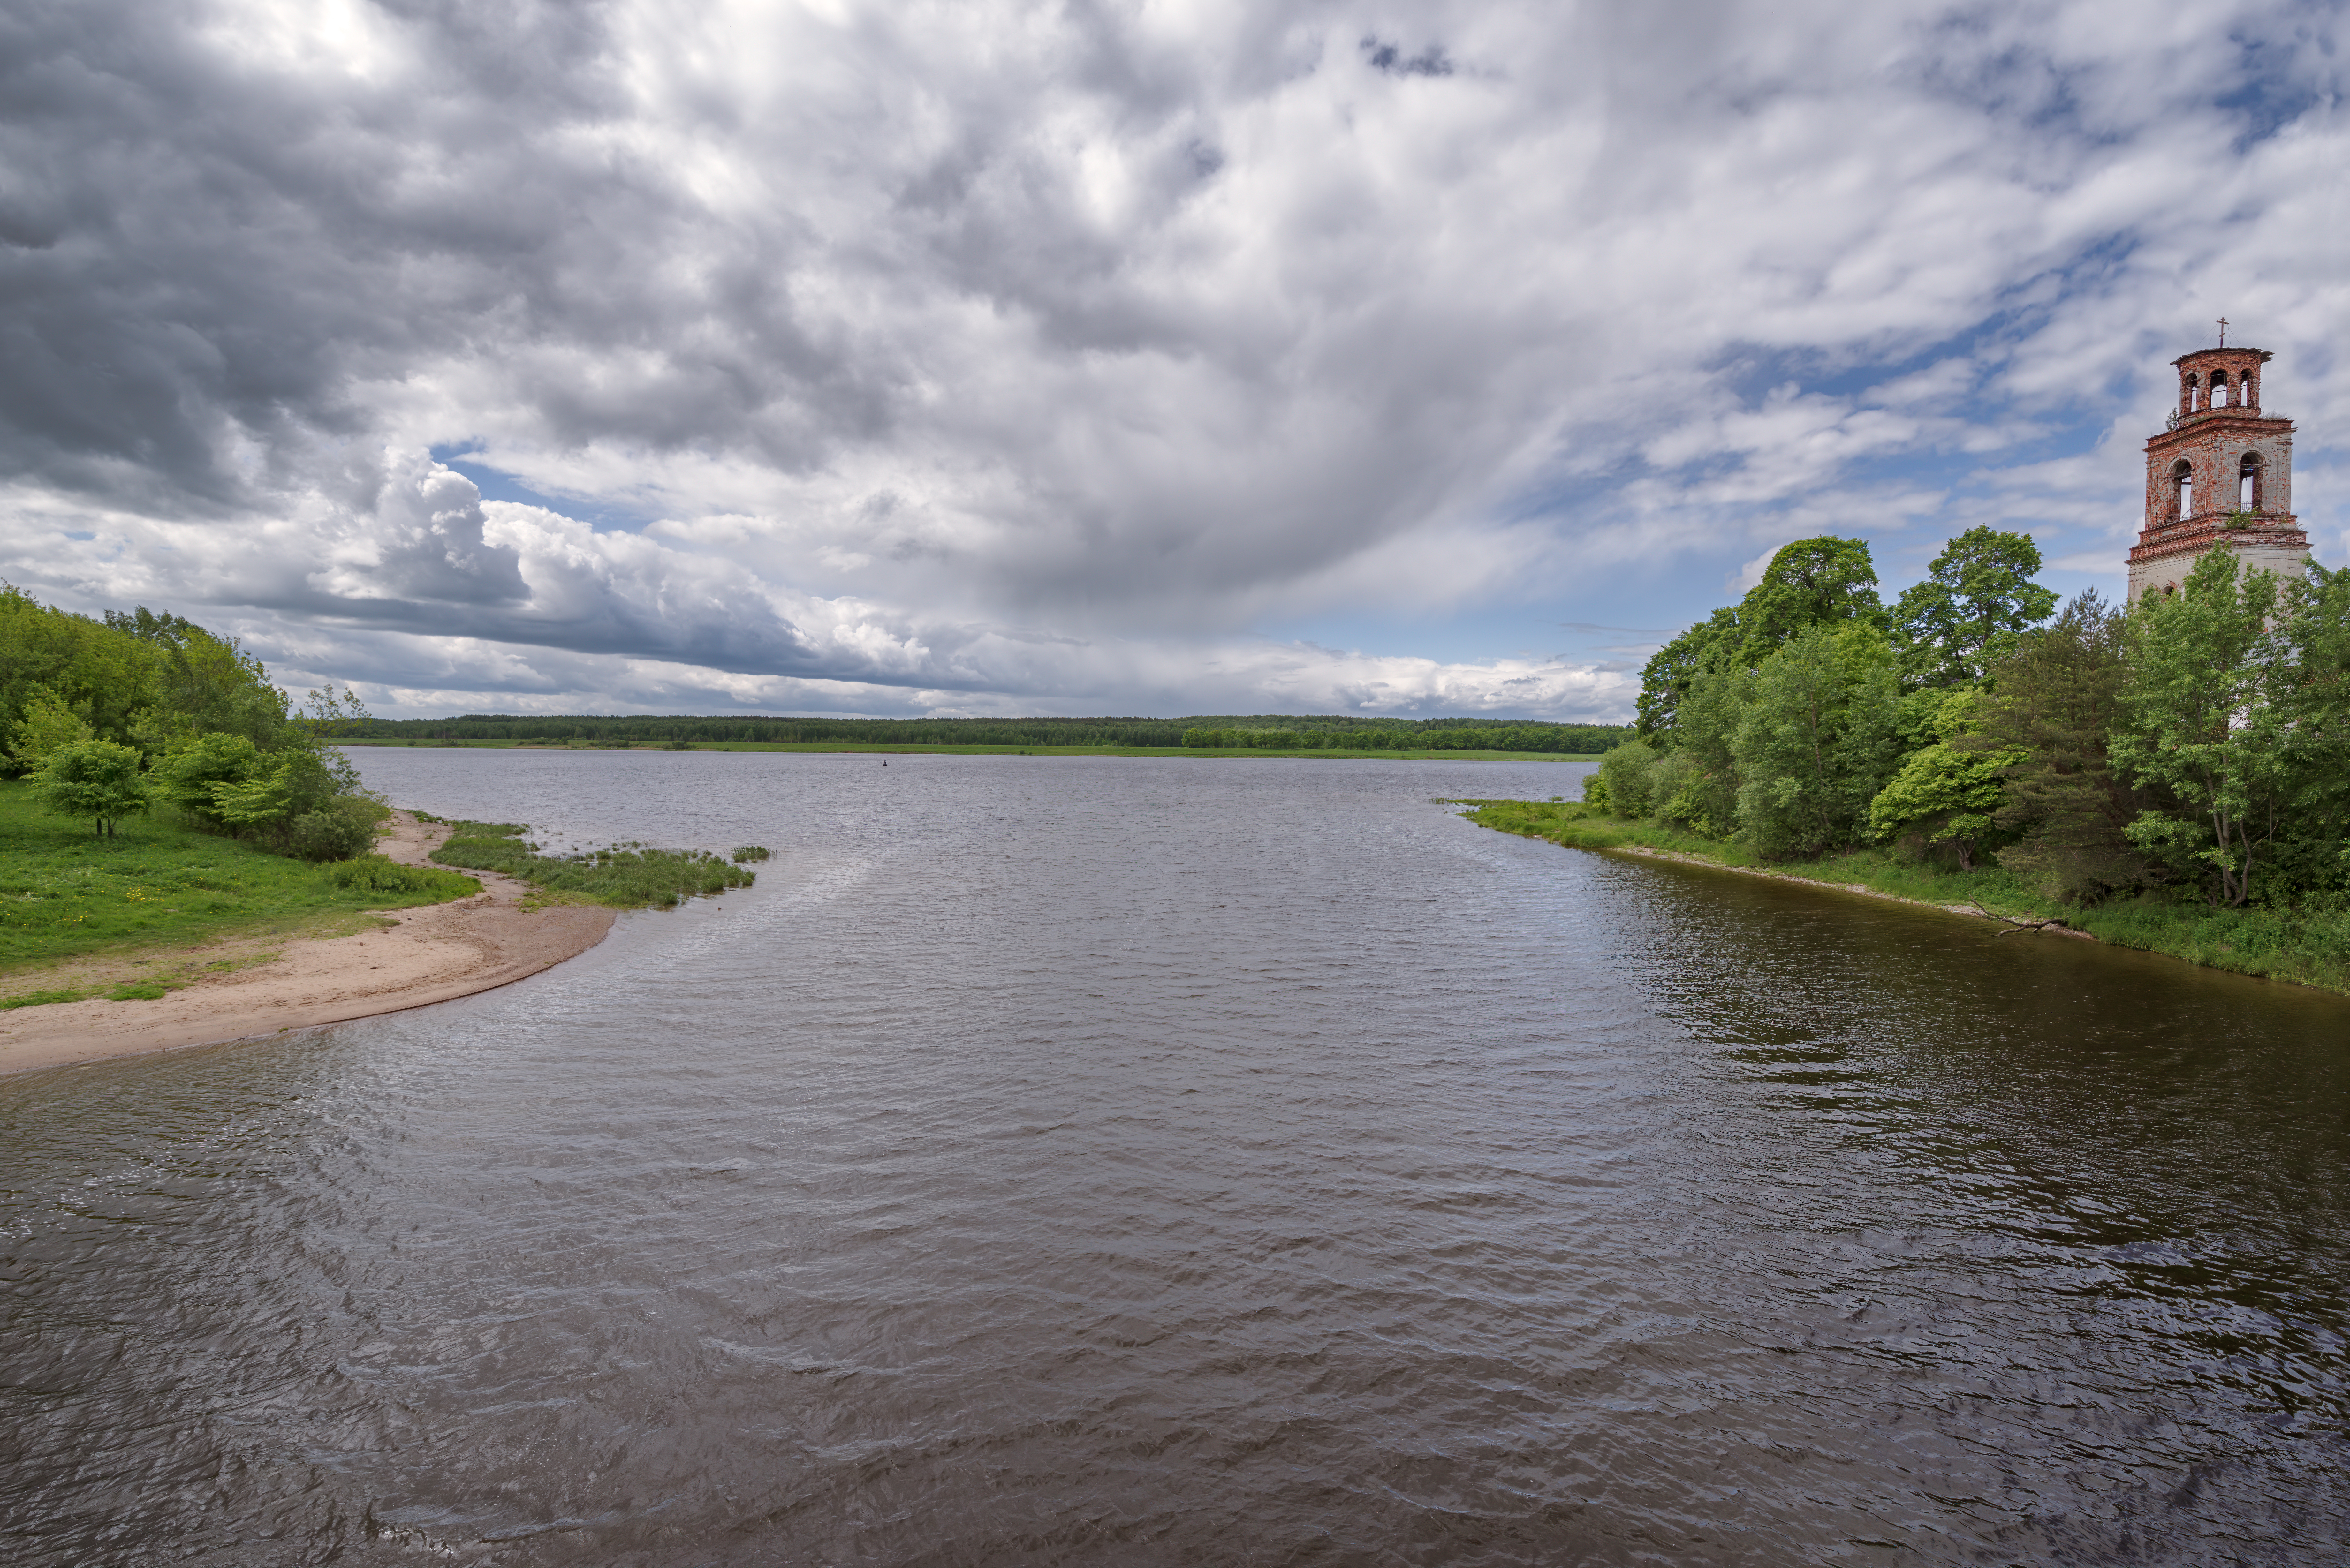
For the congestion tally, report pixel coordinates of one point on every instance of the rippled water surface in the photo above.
(1133, 1161)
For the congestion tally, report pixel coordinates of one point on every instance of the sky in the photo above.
(1091, 358)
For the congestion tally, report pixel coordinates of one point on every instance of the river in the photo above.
(1193, 1161)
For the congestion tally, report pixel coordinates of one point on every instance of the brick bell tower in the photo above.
(2220, 476)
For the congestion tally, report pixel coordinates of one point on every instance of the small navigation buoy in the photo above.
(885, 762)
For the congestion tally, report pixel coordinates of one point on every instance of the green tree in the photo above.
(1818, 739)
(101, 674)
(48, 724)
(1946, 792)
(2208, 695)
(1812, 582)
(97, 779)
(1625, 780)
(1978, 596)
(1706, 649)
(190, 776)
(2055, 696)
(2312, 851)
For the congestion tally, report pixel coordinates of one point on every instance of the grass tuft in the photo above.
(626, 876)
(753, 851)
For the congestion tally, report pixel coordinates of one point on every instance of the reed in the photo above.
(622, 876)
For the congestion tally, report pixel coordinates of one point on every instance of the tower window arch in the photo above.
(2220, 389)
(2248, 482)
(2186, 386)
(2182, 489)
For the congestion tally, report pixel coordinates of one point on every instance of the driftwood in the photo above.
(2015, 925)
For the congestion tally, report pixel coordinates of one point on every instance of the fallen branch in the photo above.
(2015, 925)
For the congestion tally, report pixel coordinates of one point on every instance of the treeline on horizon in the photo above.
(1274, 731)
(2193, 746)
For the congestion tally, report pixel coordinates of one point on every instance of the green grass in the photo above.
(911, 750)
(624, 876)
(2307, 946)
(67, 895)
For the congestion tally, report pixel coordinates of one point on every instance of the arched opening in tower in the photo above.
(2182, 490)
(2248, 482)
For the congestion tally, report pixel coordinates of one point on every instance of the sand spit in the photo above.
(432, 954)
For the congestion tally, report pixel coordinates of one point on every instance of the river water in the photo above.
(1100, 1160)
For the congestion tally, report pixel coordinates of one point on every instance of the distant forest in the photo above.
(1282, 731)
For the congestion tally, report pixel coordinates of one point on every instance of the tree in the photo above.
(1812, 582)
(2055, 696)
(190, 776)
(1817, 740)
(1624, 780)
(2208, 695)
(1705, 648)
(1978, 596)
(97, 779)
(48, 724)
(2312, 851)
(1945, 791)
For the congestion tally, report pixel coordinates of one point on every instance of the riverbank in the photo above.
(2312, 949)
(411, 958)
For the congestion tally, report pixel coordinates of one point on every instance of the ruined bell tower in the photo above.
(2219, 476)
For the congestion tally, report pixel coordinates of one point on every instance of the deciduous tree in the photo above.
(1978, 596)
(97, 779)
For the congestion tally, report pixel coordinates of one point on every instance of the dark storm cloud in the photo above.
(1008, 350)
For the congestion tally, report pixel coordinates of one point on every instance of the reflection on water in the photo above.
(1112, 1160)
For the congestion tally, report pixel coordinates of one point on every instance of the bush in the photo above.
(375, 873)
(190, 776)
(752, 852)
(1625, 780)
(342, 829)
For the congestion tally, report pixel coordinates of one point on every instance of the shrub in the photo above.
(1626, 777)
(752, 852)
(190, 777)
(345, 826)
(375, 873)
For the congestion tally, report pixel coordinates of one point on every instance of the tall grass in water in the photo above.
(625, 877)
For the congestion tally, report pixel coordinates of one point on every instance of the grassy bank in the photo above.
(2309, 947)
(623, 876)
(80, 912)
(886, 748)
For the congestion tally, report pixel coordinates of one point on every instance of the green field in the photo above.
(2306, 947)
(72, 901)
(915, 749)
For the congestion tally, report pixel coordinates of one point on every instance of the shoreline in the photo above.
(2252, 945)
(437, 952)
(1863, 890)
(944, 748)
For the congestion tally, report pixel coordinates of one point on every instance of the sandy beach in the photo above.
(432, 954)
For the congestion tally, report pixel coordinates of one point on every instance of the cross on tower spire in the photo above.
(2223, 332)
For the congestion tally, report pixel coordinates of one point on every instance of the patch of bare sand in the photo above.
(419, 957)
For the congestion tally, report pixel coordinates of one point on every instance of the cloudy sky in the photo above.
(1165, 356)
